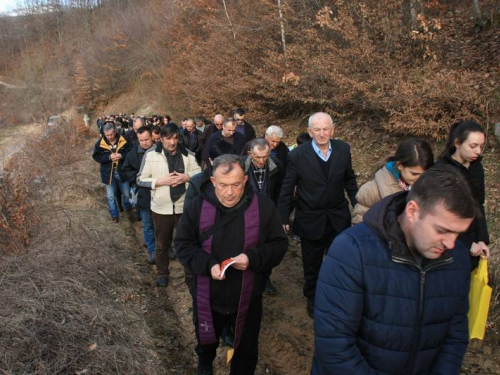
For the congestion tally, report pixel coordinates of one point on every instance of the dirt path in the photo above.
(23, 87)
(13, 139)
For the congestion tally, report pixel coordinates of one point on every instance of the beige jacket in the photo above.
(383, 185)
(154, 165)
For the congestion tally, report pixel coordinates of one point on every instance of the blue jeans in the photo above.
(148, 230)
(124, 188)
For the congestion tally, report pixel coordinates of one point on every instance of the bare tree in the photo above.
(476, 11)
(282, 28)
(229, 19)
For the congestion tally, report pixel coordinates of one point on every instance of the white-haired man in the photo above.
(274, 135)
(321, 170)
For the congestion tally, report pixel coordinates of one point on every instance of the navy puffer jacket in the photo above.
(379, 311)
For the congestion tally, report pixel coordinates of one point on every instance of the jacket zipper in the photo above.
(423, 272)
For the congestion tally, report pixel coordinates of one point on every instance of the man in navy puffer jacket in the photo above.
(392, 295)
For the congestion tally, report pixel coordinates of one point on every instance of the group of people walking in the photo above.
(390, 296)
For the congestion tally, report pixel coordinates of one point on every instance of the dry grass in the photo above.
(70, 302)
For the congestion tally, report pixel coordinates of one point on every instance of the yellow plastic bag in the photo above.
(479, 300)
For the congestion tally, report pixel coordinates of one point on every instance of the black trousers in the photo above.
(313, 252)
(246, 355)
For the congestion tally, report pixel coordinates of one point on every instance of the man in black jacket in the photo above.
(131, 134)
(228, 134)
(244, 127)
(190, 138)
(265, 173)
(130, 168)
(265, 176)
(321, 170)
(209, 130)
(228, 221)
(110, 151)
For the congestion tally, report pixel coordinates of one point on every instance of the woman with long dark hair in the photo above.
(463, 150)
(413, 157)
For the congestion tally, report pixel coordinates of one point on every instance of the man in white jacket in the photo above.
(166, 170)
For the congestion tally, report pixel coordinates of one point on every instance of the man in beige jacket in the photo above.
(166, 170)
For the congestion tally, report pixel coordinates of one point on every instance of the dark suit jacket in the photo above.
(318, 199)
(194, 144)
(209, 130)
(249, 131)
(239, 143)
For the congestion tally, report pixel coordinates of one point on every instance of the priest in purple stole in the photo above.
(229, 221)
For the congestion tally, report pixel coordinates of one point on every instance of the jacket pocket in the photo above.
(160, 196)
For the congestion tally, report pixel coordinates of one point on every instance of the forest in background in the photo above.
(404, 66)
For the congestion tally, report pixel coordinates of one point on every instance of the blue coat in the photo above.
(378, 311)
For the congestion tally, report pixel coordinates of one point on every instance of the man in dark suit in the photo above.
(209, 130)
(244, 127)
(228, 134)
(190, 138)
(321, 170)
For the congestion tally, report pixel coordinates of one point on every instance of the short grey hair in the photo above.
(107, 127)
(314, 116)
(227, 162)
(274, 129)
(218, 116)
(141, 120)
(260, 143)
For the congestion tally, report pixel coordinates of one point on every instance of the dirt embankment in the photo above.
(82, 299)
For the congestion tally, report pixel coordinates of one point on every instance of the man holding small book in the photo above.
(229, 221)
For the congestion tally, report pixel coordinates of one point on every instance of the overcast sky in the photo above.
(6, 5)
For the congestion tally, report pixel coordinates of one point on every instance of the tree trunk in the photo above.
(476, 11)
(229, 19)
(282, 28)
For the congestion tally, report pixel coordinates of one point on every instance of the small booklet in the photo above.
(225, 265)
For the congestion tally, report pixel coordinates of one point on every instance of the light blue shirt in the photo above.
(320, 153)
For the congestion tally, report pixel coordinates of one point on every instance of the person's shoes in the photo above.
(205, 369)
(270, 288)
(227, 335)
(151, 258)
(115, 220)
(228, 340)
(131, 215)
(161, 281)
(310, 308)
(171, 253)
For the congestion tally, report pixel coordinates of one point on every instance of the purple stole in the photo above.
(205, 320)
